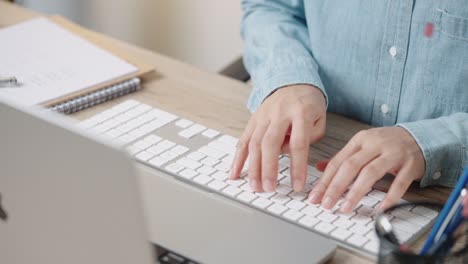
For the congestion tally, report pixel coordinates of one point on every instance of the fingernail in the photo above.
(346, 207)
(314, 197)
(268, 185)
(327, 202)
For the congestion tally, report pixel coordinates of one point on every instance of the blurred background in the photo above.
(204, 33)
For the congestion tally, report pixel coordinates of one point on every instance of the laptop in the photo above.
(66, 197)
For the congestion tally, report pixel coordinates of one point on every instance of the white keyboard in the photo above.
(203, 156)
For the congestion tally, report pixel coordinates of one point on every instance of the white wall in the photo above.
(201, 32)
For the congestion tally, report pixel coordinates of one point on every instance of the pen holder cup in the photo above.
(392, 252)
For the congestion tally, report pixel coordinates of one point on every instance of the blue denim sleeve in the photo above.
(443, 142)
(276, 48)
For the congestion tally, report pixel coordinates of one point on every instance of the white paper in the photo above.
(51, 62)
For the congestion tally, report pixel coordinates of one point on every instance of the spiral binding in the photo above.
(97, 97)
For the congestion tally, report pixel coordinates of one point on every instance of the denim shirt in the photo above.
(385, 63)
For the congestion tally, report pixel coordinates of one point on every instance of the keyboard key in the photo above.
(298, 196)
(137, 133)
(228, 140)
(125, 138)
(424, 211)
(141, 144)
(247, 187)
(210, 133)
(262, 202)
(324, 228)
(341, 234)
(114, 133)
(366, 211)
(132, 150)
(308, 221)
(247, 196)
(219, 175)
(327, 217)
(144, 155)
(410, 217)
(197, 128)
(408, 227)
(368, 201)
(293, 215)
(196, 156)
(347, 215)
(210, 161)
(360, 229)
(224, 167)
(236, 183)
(189, 163)
(343, 222)
(166, 144)
(223, 147)
(377, 195)
(280, 198)
(183, 123)
(157, 161)
(217, 185)
(187, 133)
(206, 170)
(188, 173)
(156, 150)
(266, 194)
(284, 189)
(211, 152)
(232, 190)
(296, 205)
(174, 167)
(277, 209)
(361, 219)
(179, 149)
(311, 210)
(357, 240)
(372, 246)
(152, 139)
(169, 155)
(202, 179)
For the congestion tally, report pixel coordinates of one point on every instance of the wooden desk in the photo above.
(219, 102)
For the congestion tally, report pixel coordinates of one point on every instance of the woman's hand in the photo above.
(289, 120)
(367, 157)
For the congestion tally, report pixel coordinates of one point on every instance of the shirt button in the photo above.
(393, 51)
(436, 175)
(384, 108)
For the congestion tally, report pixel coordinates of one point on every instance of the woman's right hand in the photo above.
(289, 120)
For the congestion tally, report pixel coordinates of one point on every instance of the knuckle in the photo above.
(350, 164)
(243, 143)
(370, 171)
(297, 147)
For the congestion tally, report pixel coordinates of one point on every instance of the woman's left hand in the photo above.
(367, 157)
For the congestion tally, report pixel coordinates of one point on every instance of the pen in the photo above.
(446, 240)
(441, 219)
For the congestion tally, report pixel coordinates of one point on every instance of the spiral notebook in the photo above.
(64, 67)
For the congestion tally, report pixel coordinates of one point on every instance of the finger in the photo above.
(271, 148)
(299, 146)
(399, 185)
(332, 167)
(345, 175)
(242, 151)
(321, 165)
(255, 156)
(465, 206)
(368, 176)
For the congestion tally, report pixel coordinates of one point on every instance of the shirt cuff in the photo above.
(442, 150)
(267, 81)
